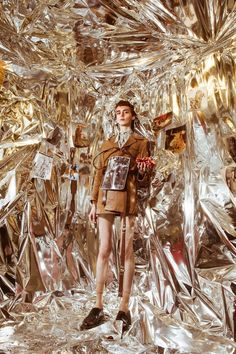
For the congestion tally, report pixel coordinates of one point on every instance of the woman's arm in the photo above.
(143, 171)
(97, 180)
(144, 148)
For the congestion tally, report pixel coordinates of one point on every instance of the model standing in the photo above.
(114, 193)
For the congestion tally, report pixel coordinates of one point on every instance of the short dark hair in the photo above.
(128, 104)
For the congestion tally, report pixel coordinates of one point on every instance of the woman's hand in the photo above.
(145, 163)
(93, 214)
(142, 167)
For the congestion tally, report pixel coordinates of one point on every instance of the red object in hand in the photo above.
(148, 161)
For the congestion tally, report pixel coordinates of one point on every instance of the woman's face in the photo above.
(124, 116)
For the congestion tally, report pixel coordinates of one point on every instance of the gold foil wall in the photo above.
(63, 66)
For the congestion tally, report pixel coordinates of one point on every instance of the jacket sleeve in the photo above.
(144, 179)
(97, 178)
(144, 149)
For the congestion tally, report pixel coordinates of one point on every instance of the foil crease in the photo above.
(63, 66)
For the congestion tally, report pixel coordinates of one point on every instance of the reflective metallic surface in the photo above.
(63, 66)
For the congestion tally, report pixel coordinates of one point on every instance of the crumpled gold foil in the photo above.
(2, 72)
(64, 65)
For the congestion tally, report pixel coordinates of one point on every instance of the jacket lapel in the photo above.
(112, 144)
(133, 139)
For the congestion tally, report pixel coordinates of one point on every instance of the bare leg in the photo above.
(105, 223)
(129, 264)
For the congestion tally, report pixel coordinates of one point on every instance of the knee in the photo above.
(104, 252)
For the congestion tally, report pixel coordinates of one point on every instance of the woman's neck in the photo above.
(124, 129)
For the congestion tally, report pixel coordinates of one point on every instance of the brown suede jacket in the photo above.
(136, 146)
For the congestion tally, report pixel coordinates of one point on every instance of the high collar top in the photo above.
(122, 137)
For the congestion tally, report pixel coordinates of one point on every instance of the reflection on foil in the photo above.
(51, 324)
(63, 67)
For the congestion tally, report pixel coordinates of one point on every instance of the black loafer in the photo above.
(125, 317)
(95, 318)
